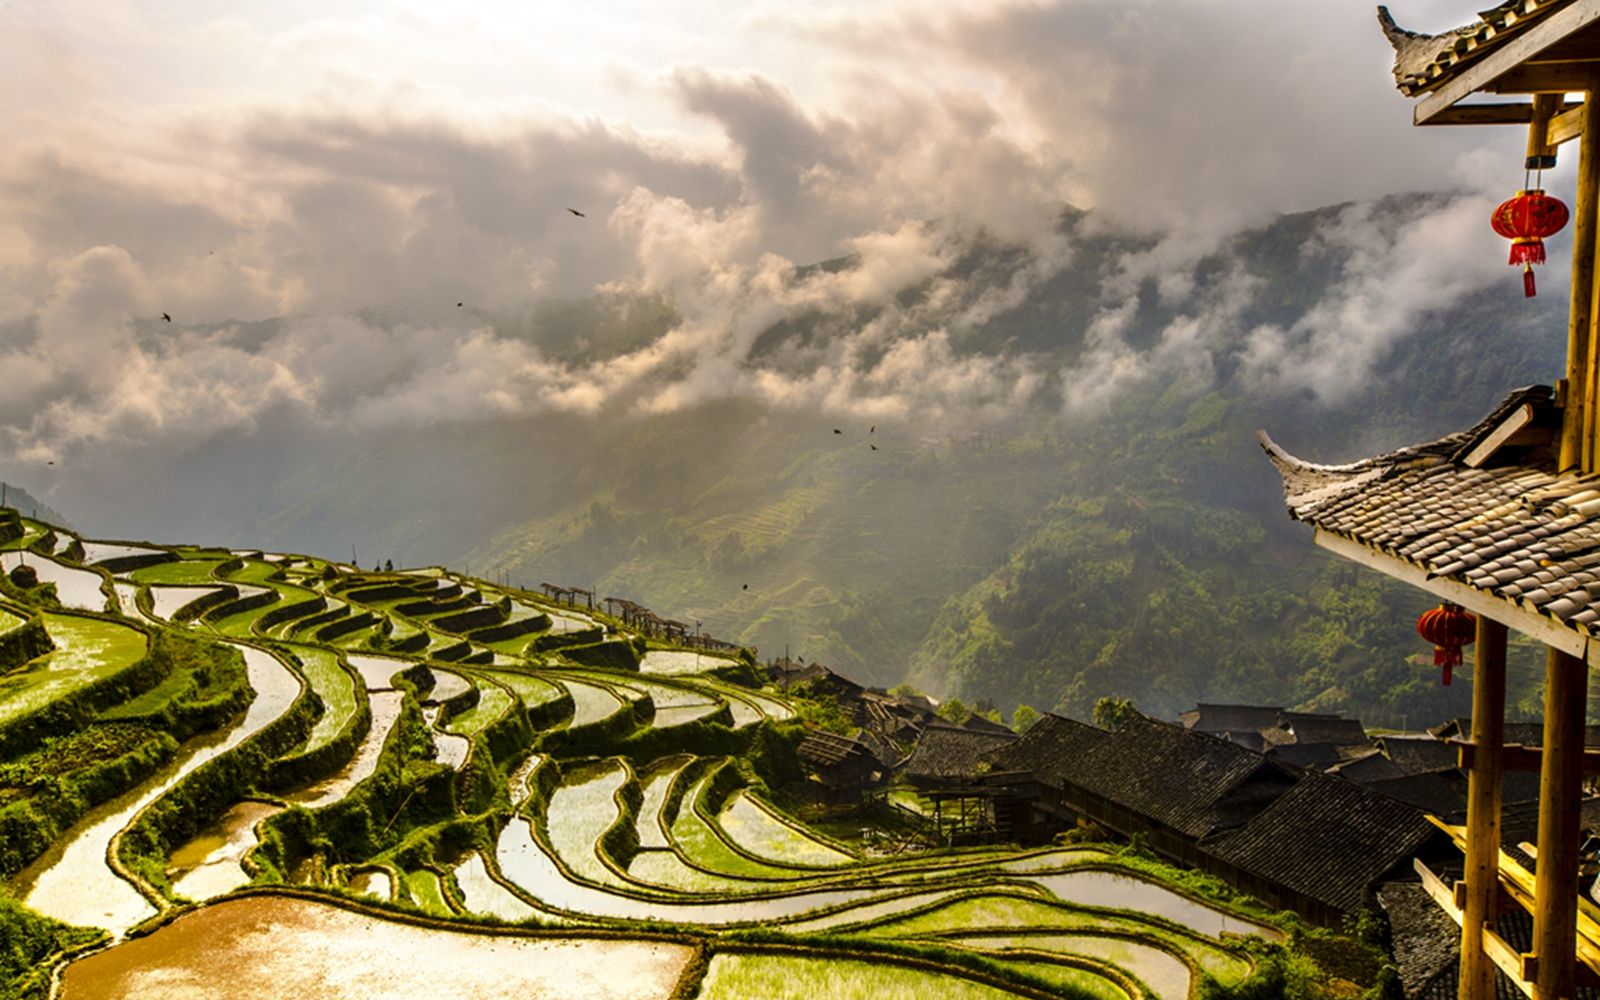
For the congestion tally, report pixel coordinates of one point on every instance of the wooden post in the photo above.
(1483, 809)
(1555, 917)
(1577, 429)
(1542, 155)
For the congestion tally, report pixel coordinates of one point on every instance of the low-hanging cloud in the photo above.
(312, 248)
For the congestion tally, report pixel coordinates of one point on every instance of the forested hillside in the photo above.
(1106, 534)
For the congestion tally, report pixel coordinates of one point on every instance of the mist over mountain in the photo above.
(1008, 472)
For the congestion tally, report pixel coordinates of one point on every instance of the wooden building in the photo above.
(1301, 840)
(947, 766)
(1500, 518)
(846, 769)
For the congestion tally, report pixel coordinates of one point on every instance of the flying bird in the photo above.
(577, 213)
(166, 317)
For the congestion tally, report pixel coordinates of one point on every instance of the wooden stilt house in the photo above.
(1503, 519)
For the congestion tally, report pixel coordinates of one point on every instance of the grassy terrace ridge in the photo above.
(580, 788)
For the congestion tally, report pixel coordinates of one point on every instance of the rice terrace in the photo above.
(245, 774)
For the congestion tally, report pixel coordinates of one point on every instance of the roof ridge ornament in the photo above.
(1413, 50)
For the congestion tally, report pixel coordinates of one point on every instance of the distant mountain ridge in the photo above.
(1140, 550)
(26, 503)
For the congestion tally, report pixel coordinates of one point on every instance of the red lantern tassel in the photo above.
(1528, 290)
(1527, 251)
(1446, 657)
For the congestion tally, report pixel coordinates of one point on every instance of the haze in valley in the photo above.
(583, 293)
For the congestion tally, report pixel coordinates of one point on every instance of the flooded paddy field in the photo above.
(262, 947)
(515, 785)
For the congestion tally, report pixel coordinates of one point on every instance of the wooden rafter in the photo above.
(1530, 623)
(1488, 70)
(1514, 113)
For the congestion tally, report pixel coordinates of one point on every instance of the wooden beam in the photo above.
(1566, 125)
(1521, 758)
(1507, 56)
(1555, 912)
(1441, 894)
(1530, 623)
(1519, 968)
(1514, 113)
(1547, 78)
(1519, 885)
(1515, 421)
(1482, 882)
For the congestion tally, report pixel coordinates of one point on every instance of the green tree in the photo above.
(1024, 717)
(954, 710)
(1111, 712)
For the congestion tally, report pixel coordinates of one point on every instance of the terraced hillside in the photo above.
(256, 773)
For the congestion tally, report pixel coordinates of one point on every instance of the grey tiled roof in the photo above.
(1207, 718)
(826, 749)
(945, 751)
(1050, 749)
(1423, 62)
(1313, 728)
(1413, 755)
(1433, 793)
(1522, 533)
(1185, 780)
(1326, 838)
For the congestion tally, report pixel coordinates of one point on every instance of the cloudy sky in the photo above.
(359, 168)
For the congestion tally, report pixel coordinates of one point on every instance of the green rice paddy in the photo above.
(337, 689)
(87, 650)
(655, 814)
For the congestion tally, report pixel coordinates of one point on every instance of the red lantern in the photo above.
(1526, 220)
(1449, 627)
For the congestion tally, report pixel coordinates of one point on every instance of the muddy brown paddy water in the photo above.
(264, 947)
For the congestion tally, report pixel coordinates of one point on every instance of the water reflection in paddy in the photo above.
(75, 588)
(590, 703)
(483, 895)
(680, 661)
(376, 884)
(128, 600)
(94, 552)
(1166, 974)
(166, 600)
(678, 715)
(570, 621)
(385, 710)
(209, 865)
(1100, 888)
(264, 947)
(523, 862)
(377, 671)
(447, 685)
(451, 750)
(72, 882)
